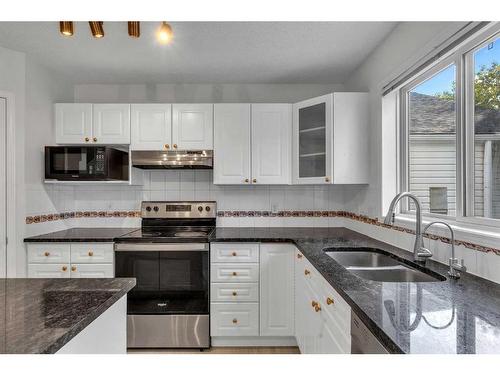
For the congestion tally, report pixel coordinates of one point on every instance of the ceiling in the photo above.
(202, 52)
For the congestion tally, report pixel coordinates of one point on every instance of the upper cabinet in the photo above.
(192, 126)
(151, 126)
(330, 139)
(252, 143)
(231, 144)
(80, 123)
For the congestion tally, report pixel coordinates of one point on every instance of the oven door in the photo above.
(171, 279)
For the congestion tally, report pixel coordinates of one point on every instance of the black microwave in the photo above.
(86, 163)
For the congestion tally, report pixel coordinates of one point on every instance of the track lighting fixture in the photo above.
(66, 28)
(96, 29)
(165, 33)
(134, 29)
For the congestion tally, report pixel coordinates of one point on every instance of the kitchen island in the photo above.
(63, 315)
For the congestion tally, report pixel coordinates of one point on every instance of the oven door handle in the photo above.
(161, 246)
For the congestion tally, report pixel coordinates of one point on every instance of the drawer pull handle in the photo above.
(317, 308)
(95, 139)
(235, 321)
(46, 254)
(314, 303)
(73, 268)
(307, 272)
(234, 254)
(329, 301)
(235, 273)
(299, 256)
(91, 253)
(235, 294)
(64, 268)
(87, 139)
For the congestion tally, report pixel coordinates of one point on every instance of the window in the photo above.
(450, 132)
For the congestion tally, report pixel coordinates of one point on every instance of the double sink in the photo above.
(378, 265)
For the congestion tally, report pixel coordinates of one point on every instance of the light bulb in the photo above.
(165, 33)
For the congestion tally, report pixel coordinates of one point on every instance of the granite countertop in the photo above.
(42, 315)
(82, 235)
(452, 316)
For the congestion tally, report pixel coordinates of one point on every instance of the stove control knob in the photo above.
(156, 208)
(207, 208)
(200, 208)
(148, 208)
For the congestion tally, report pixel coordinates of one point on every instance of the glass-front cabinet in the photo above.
(313, 140)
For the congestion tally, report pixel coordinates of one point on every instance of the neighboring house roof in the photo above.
(432, 115)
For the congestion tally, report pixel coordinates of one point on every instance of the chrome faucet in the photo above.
(455, 265)
(420, 253)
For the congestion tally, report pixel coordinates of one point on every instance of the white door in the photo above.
(271, 143)
(312, 140)
(111, 123)
(3, 192)
(232, 144)
(151, 127)
(192, 126)
(277, 290)
(73, 123)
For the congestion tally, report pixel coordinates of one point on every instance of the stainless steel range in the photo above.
(169, 257)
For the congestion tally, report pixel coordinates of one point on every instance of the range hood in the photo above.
(172, 159)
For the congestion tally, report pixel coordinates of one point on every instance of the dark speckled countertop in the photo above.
(82, 235)
(452, 316)
(42, 315)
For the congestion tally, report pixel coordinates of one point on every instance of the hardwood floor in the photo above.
(222, 350)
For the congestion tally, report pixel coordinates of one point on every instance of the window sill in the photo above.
(467, 232)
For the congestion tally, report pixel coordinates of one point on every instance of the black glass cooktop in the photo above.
(168, 234)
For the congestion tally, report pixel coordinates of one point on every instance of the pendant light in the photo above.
(96, 29)
(134, 29)
(66, 28)
(165, 33)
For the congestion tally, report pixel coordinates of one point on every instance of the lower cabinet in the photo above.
(70, 260)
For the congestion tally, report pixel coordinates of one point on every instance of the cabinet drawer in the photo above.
(82, 271)
(234, 319)
(38, 271)
(234, 252)
(235, 272)
(49, 253)
(92, 253)
(234, 292)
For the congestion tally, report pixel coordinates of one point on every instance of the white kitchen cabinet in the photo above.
(271, 143)
(52, 271)
(234, 252)
(276, 289)
(234, 319)
(48, 253)
(86, 270)
(151, 127)
(330, 139)
(111, 123)
(73, 123)
(192, 126)
(92, 253)
(232, 144)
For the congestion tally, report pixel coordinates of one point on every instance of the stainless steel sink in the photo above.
(374, 265)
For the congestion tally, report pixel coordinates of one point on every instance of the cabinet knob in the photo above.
(254, 180)
(307, 272)
(73, 268)
(91, 253)
(235, 294)
(235, 273)
(167, 146)
(234, 254)
(317, 308)
(235, 321)
(46, 254)
(327, 179)
(299, 256)
(87, 139)
(329, 301)
(247, 180)
(175, 145)
(314, 303)
(64, 268)
(95, 139)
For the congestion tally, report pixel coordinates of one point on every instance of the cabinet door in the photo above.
(49, 271)
(73, 123)
(151, 127)
(276, 290)
(231, 144)
(80, 271)
(192, 126)
(312, 143)
(271, 143)
(111, 123)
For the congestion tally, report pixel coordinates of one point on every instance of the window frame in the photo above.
(462, 58)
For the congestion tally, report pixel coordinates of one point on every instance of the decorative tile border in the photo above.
(301, 214)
